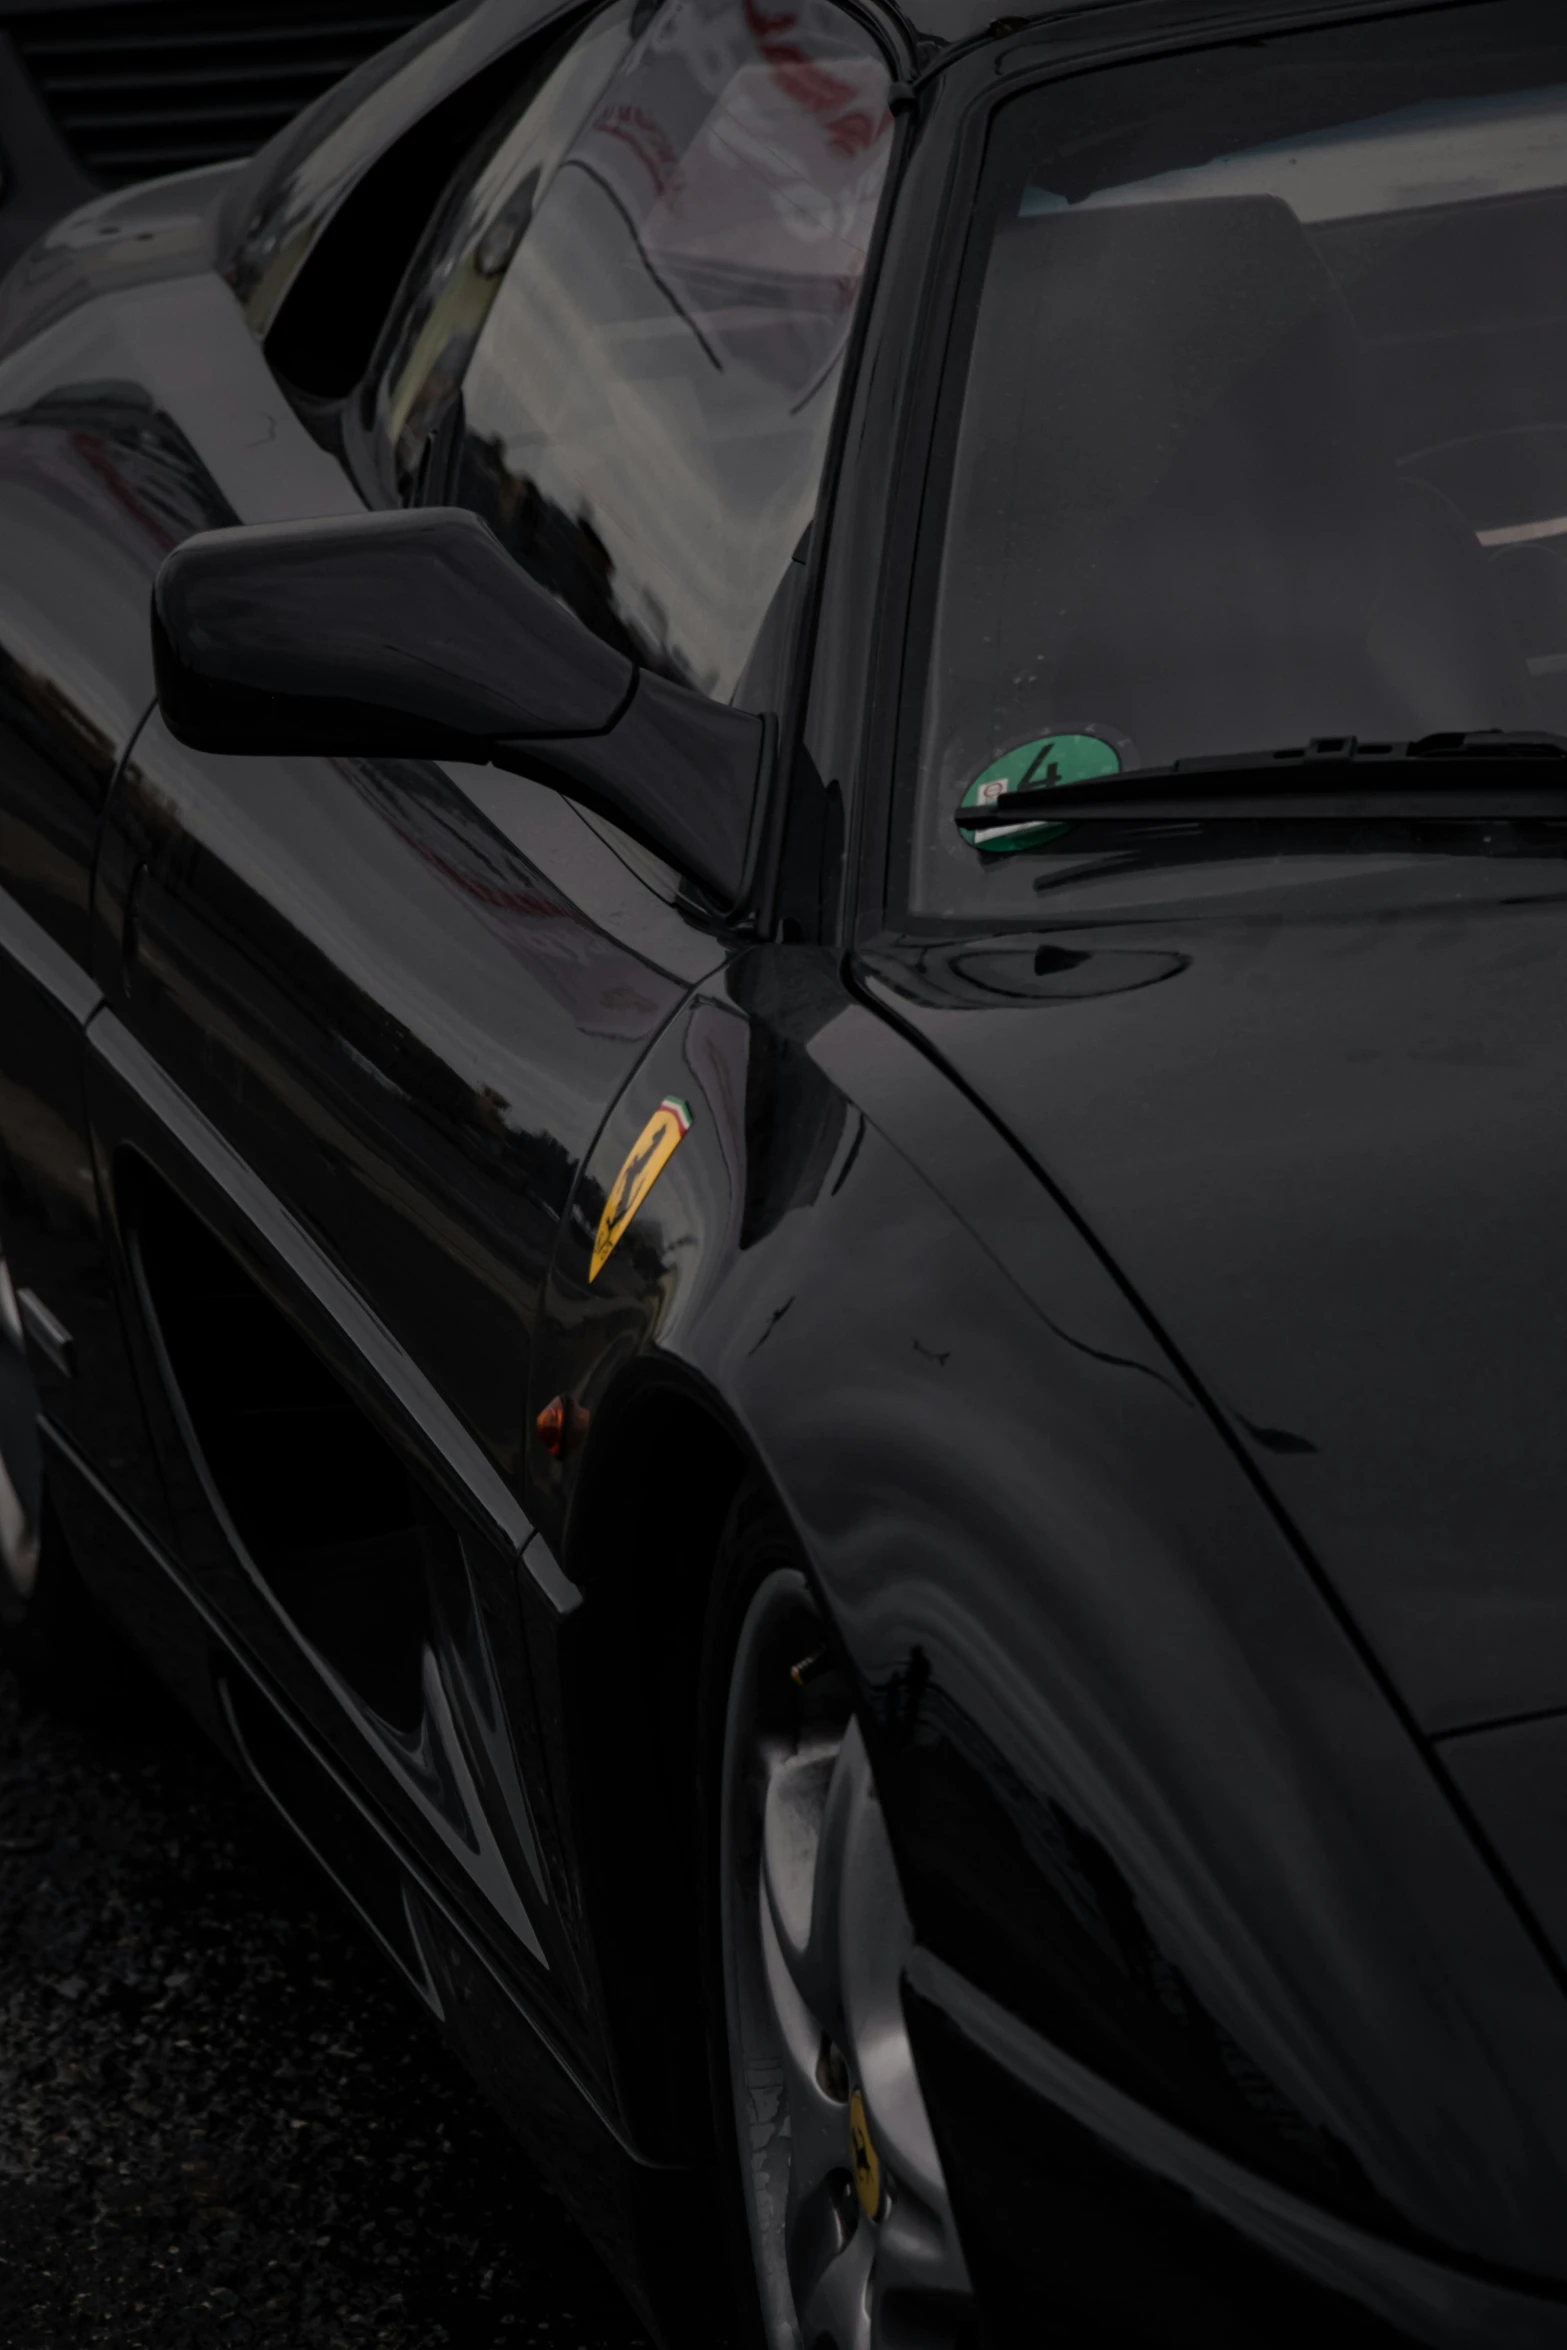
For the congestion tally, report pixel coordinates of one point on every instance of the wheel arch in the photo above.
(646, 1514)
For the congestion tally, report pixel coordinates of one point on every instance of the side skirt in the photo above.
(171, 1625)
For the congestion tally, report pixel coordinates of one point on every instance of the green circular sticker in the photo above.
(1035, 766)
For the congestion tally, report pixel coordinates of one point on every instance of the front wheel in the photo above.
(851, 2236)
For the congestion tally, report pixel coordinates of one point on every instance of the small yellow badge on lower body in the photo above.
(646, 1160)
(867, 2168)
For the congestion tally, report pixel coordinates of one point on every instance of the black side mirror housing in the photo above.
(415, 635)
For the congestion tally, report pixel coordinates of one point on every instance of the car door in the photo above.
(365, 1017)
(93, 493)
(99, 478)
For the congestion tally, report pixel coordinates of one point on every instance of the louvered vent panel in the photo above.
(137, 91)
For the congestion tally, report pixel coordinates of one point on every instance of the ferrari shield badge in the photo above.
(646, 1160)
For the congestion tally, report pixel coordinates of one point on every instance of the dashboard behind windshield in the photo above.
(1262, 430)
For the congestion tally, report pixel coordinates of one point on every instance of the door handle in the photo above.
(52, 1339)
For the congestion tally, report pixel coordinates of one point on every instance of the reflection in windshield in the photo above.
(1264, 439)
(1458, 151)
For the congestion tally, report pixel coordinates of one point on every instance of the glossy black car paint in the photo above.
(454, 652)
(1240, 1977)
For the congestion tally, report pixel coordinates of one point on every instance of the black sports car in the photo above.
(783, 925)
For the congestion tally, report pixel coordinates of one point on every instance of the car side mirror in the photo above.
(415, 635)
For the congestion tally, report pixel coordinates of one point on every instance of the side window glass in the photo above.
(648, 397)
(471, 239)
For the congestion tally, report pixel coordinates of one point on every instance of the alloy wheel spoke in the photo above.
(804, 1827)
(839, 2304)
(817, 2120)
(817, 2014)
(876, 1938)
(917, 2249)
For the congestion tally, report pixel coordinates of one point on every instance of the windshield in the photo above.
(1261, 434)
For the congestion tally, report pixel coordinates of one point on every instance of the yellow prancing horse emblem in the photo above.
(646, 1160)
(867, 2166)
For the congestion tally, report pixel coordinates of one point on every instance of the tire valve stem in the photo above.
(808, 1667)
(845, 2203)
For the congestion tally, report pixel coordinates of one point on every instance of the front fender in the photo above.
(1146, 1791)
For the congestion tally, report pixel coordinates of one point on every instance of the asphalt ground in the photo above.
(221, 2121)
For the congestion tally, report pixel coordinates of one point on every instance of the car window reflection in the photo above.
(648, 400)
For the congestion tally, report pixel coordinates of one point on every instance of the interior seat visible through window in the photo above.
(1210, 550)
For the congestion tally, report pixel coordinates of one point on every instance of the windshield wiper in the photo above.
(1442, 775)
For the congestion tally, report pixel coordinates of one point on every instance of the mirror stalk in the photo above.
(678, 773)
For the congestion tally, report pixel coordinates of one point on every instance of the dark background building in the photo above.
(97, 93)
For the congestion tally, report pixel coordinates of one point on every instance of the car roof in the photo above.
(278, 201)
(1084, 26)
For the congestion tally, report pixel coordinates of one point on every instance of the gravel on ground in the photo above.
(222, 2124)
